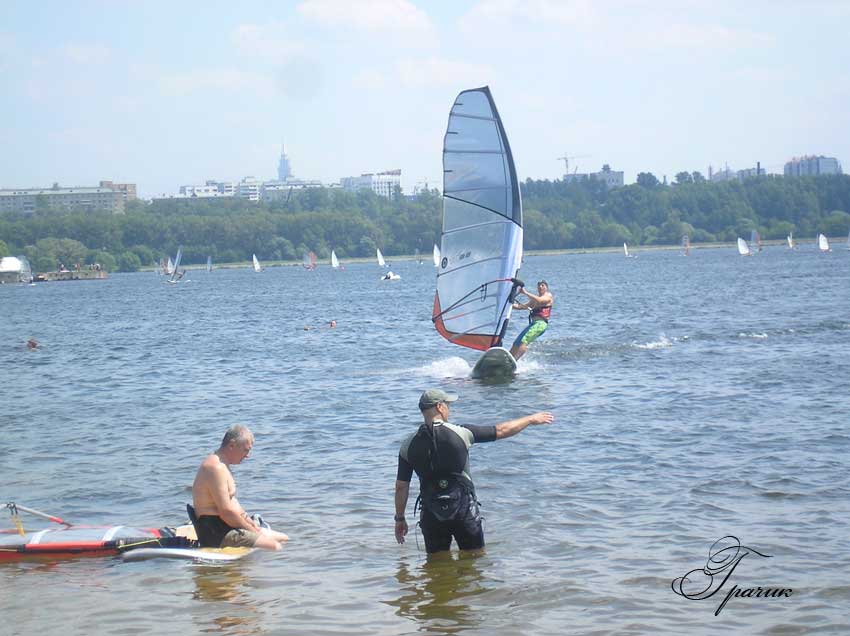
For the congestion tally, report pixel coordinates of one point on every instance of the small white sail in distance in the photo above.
(436, 256)
(257, 267)
(334, 260)
(177, 260)
(209, 263)
(626, 250)
(790, 239)
(381, 260)
(743, 248)
(169, 267)
(823, 243)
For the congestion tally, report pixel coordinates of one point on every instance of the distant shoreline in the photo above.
(575, 250)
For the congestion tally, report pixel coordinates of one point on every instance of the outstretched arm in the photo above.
(513, 427)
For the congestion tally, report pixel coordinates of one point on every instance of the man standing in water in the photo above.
(541, 308)
(220, 521)
(439, 454)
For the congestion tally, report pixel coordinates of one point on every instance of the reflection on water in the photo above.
(436, 593)
(224, 587)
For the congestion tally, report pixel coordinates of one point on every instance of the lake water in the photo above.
(695, 397)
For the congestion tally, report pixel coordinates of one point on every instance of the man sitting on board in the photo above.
(439, 454)
(541, 308)
(221, 521)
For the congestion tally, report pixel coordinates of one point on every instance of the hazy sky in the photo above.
(169, 93)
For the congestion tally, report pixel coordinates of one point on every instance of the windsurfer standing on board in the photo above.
(541, 308)
(220, 521)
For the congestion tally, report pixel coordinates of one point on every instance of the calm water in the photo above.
(694, 398)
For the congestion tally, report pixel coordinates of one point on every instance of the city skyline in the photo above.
(136, 94)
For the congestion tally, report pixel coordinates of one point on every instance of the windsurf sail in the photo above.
(257, 267)
(755, 239)
(626, 250)
(436, 256)
(209, 264)
(743, 248)
(481, 244)
(823, 244)
(177, 260)
(381, 260)
(169, 267)
(686, 245)
(790, 239)
(309, 260)
(334, 260)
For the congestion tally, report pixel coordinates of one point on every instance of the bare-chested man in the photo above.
(221, 521)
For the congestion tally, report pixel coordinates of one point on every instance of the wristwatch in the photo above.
(399, 518)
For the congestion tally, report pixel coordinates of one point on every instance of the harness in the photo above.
(443, 493)
(540, 313)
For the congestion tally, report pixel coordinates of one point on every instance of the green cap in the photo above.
(432, 397)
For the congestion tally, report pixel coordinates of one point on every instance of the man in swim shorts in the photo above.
(220, 521)
(439, 454)
(540, 306)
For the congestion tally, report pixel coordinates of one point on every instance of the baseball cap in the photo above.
(432, 397)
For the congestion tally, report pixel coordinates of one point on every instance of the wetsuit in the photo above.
(439, 454)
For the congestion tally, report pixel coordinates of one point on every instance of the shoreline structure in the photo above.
(577, 250)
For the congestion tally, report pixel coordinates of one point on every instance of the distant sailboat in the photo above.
(257, 267)
(755, 239)
(790, 239)
(686, 245)
(176, 275)
(823, 244)
(334, 260)
(743, 248)
(209, 264)
(626, 251)
(381, 260)
(309, 260)
(436, 256)
(169, 267)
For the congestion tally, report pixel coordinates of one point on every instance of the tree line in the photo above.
(557, 215)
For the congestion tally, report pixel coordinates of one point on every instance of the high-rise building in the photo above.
(812, 166)
(284, 169)
(74, 198)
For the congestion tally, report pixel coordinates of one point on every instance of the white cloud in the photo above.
(223, 79)
(86, 53)
(546, 11)
(707, 36)
(434, 71)
(393, 16)
(267, 41)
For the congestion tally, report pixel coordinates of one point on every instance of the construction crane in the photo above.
(566, 160)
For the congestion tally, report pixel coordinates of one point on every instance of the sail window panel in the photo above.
(478, 178)
(475, 244)
(465, 133)
(458, 214)
(473, 103)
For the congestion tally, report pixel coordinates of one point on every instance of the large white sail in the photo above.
(743, 248)
(823, 244)
(257, 267)
(481, 245)
(381, 260)
(436, 256)
(334, 260)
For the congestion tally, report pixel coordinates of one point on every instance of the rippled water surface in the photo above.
(695, 397)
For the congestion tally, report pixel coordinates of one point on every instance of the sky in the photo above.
(164, 94)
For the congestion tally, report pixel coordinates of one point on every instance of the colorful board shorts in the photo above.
(531, 333)
(240, 538)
